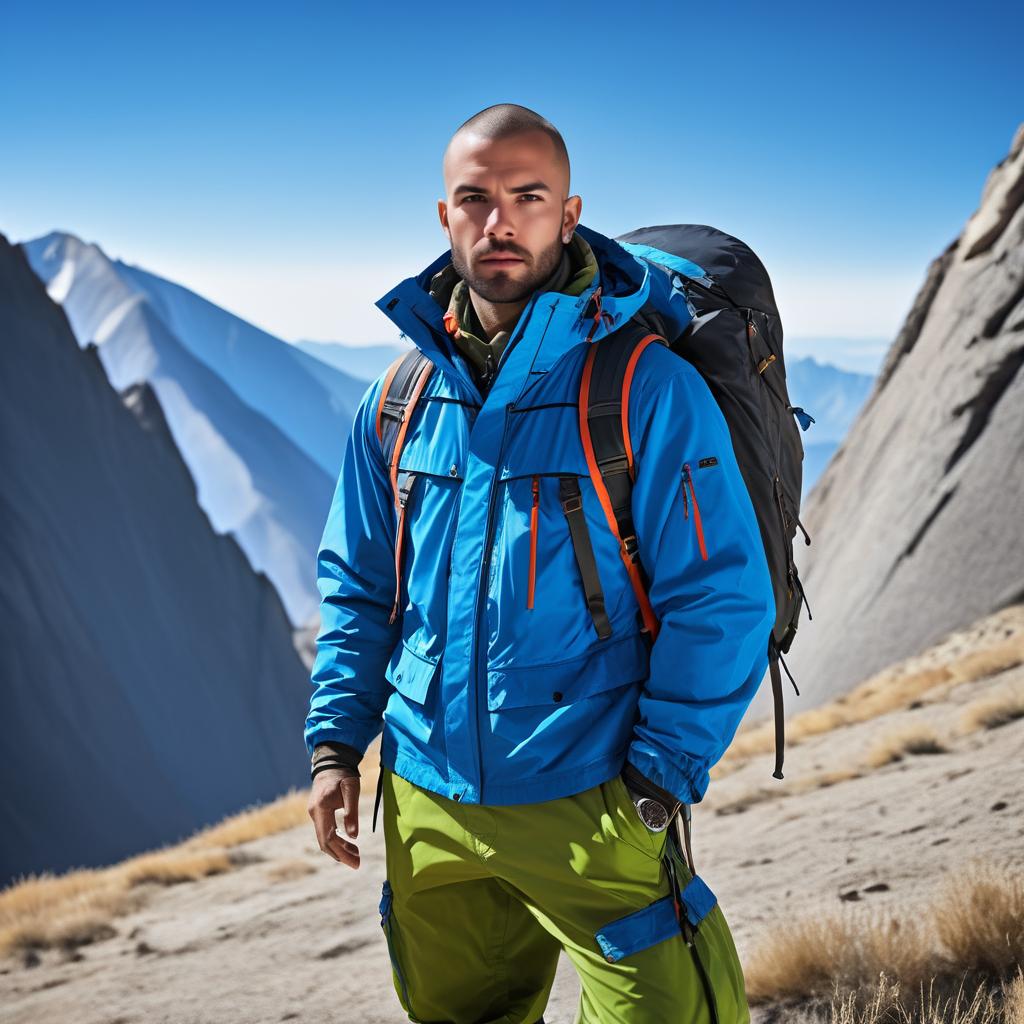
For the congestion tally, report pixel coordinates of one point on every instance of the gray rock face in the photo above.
(917, 524)
(149, 681)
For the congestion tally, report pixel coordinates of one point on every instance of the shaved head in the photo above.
(503, 120)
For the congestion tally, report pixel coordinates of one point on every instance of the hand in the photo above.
(336, 789)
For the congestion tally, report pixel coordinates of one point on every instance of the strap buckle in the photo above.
(405, 488)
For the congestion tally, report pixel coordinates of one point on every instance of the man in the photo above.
(535, 742)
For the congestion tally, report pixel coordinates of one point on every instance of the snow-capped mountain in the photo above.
(260, 424)
(279, 380)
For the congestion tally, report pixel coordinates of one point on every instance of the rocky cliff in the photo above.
(917, 524)
(149, 680)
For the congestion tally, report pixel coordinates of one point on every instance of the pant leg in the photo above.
(596, 879)
(463, 949)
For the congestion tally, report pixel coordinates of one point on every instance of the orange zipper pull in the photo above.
(533, 542)
(696, 512)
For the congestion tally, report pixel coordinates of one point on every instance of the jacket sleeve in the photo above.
(356, 579)
(710, 586)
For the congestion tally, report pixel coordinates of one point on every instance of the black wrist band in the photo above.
(325, 763)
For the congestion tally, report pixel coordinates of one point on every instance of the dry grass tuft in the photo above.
(254, 822)
(747, 799)
(812, 956)
(288, 870)
(887, 1005)
(914, 739)
(980, 919)
(993, 712)
(169, 867)
(824, 779)
(973, 932)
(46, 912)
(1013, 1000)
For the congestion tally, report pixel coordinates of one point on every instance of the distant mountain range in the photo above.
(260, 424)
(833, 397)
(150, 681)
(364, 361)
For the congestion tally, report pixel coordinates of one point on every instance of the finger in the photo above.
(350, 789)
(324, 826)
(343, 851)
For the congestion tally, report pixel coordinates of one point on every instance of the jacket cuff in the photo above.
(345, 755)
(686, 786)
(639, 783)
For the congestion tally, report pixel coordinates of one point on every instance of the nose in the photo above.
(499, 221)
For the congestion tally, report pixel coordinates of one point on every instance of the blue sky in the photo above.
(284, 160)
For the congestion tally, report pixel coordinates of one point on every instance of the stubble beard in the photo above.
(501, 286)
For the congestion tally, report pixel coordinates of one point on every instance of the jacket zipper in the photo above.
(533, 543)
(485, 571)
(688, 479)
(485, 568)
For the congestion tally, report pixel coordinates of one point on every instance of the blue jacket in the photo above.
(484, 699)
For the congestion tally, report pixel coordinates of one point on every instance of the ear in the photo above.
(571, 216)
(442, 213)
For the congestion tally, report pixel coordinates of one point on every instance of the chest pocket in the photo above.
(557, 588)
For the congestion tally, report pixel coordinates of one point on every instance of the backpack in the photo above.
(734, 339)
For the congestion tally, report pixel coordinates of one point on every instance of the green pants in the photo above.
(479, 900)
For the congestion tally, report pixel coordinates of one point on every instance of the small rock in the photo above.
(999, 805)
(852, 896)
(877, 887)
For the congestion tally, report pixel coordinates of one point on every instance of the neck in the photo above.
(496, 316)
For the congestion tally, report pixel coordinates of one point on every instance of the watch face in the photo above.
(652, 814)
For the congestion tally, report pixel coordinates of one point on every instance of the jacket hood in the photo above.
(622, 284)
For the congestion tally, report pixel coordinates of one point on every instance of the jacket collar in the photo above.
(620, 287)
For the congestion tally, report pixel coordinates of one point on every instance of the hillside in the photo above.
(150, 684)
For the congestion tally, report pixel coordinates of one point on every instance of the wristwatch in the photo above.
(653, 813)
(655, 806)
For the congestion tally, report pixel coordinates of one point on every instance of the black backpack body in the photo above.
(735, 340)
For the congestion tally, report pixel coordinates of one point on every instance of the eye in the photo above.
(530, 195)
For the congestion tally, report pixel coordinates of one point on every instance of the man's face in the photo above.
(506, 214)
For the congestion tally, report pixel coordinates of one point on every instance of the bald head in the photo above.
(502, 121)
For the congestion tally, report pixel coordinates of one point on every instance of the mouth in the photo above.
(504, 260)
